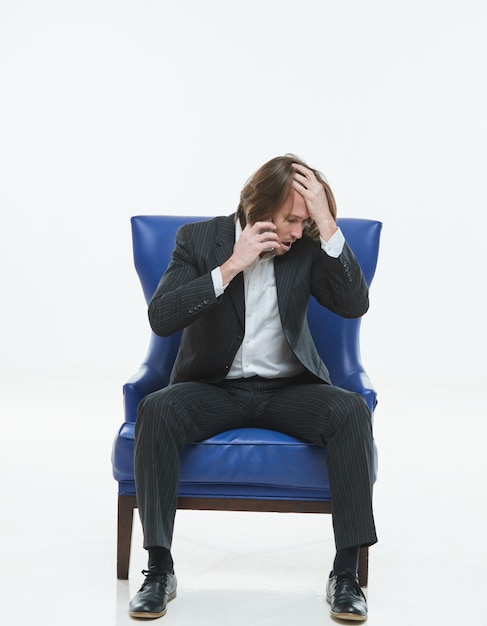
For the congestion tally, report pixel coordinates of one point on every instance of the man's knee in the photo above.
(350, 411)
(360, 405)
(149, 409)
(359, 413)
(156, 412)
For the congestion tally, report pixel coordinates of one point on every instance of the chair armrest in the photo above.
(359, 382)
(146, 380)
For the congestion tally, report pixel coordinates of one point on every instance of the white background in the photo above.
(110, 108)
(115, 108)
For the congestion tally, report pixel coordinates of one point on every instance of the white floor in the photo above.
(58, 514)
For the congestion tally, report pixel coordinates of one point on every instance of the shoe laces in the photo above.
(153, 575)
(351, 578)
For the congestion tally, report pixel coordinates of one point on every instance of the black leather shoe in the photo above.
(346, 598)
(157, 590)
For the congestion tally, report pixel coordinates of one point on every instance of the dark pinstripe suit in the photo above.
(191, 409)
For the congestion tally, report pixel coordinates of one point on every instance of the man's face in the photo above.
(290, 219)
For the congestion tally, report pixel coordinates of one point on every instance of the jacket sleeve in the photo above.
(185, 290)
(339, 284)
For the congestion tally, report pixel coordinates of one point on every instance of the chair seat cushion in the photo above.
(239, 463)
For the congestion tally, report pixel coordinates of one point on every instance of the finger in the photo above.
(266, 236)
(301, 186)
(264, 226)
(304, 172)
(306, 182)
(261, 232)
(301, 168)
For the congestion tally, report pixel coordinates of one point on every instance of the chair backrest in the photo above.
(336, 338)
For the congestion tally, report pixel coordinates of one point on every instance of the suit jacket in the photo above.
(214, 327)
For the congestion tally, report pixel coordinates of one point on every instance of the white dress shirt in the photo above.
(264, 350)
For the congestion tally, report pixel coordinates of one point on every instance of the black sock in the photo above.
(346, 559)
(161, 559)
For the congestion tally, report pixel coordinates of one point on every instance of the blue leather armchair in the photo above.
(243, 469)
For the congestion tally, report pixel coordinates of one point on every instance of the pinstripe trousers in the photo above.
(185, 412)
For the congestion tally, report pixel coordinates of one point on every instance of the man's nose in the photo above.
(297, 231)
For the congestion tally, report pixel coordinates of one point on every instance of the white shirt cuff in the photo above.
(216, 277)
(334, 246)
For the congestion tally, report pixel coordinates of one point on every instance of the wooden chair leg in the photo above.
(363, 567)
(126, 505)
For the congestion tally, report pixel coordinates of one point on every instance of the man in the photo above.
(239, 286)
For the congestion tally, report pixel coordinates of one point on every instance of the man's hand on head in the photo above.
(306, 183)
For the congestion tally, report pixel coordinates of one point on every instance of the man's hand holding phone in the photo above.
(255, 239)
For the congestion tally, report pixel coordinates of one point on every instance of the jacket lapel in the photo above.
(285, 272)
